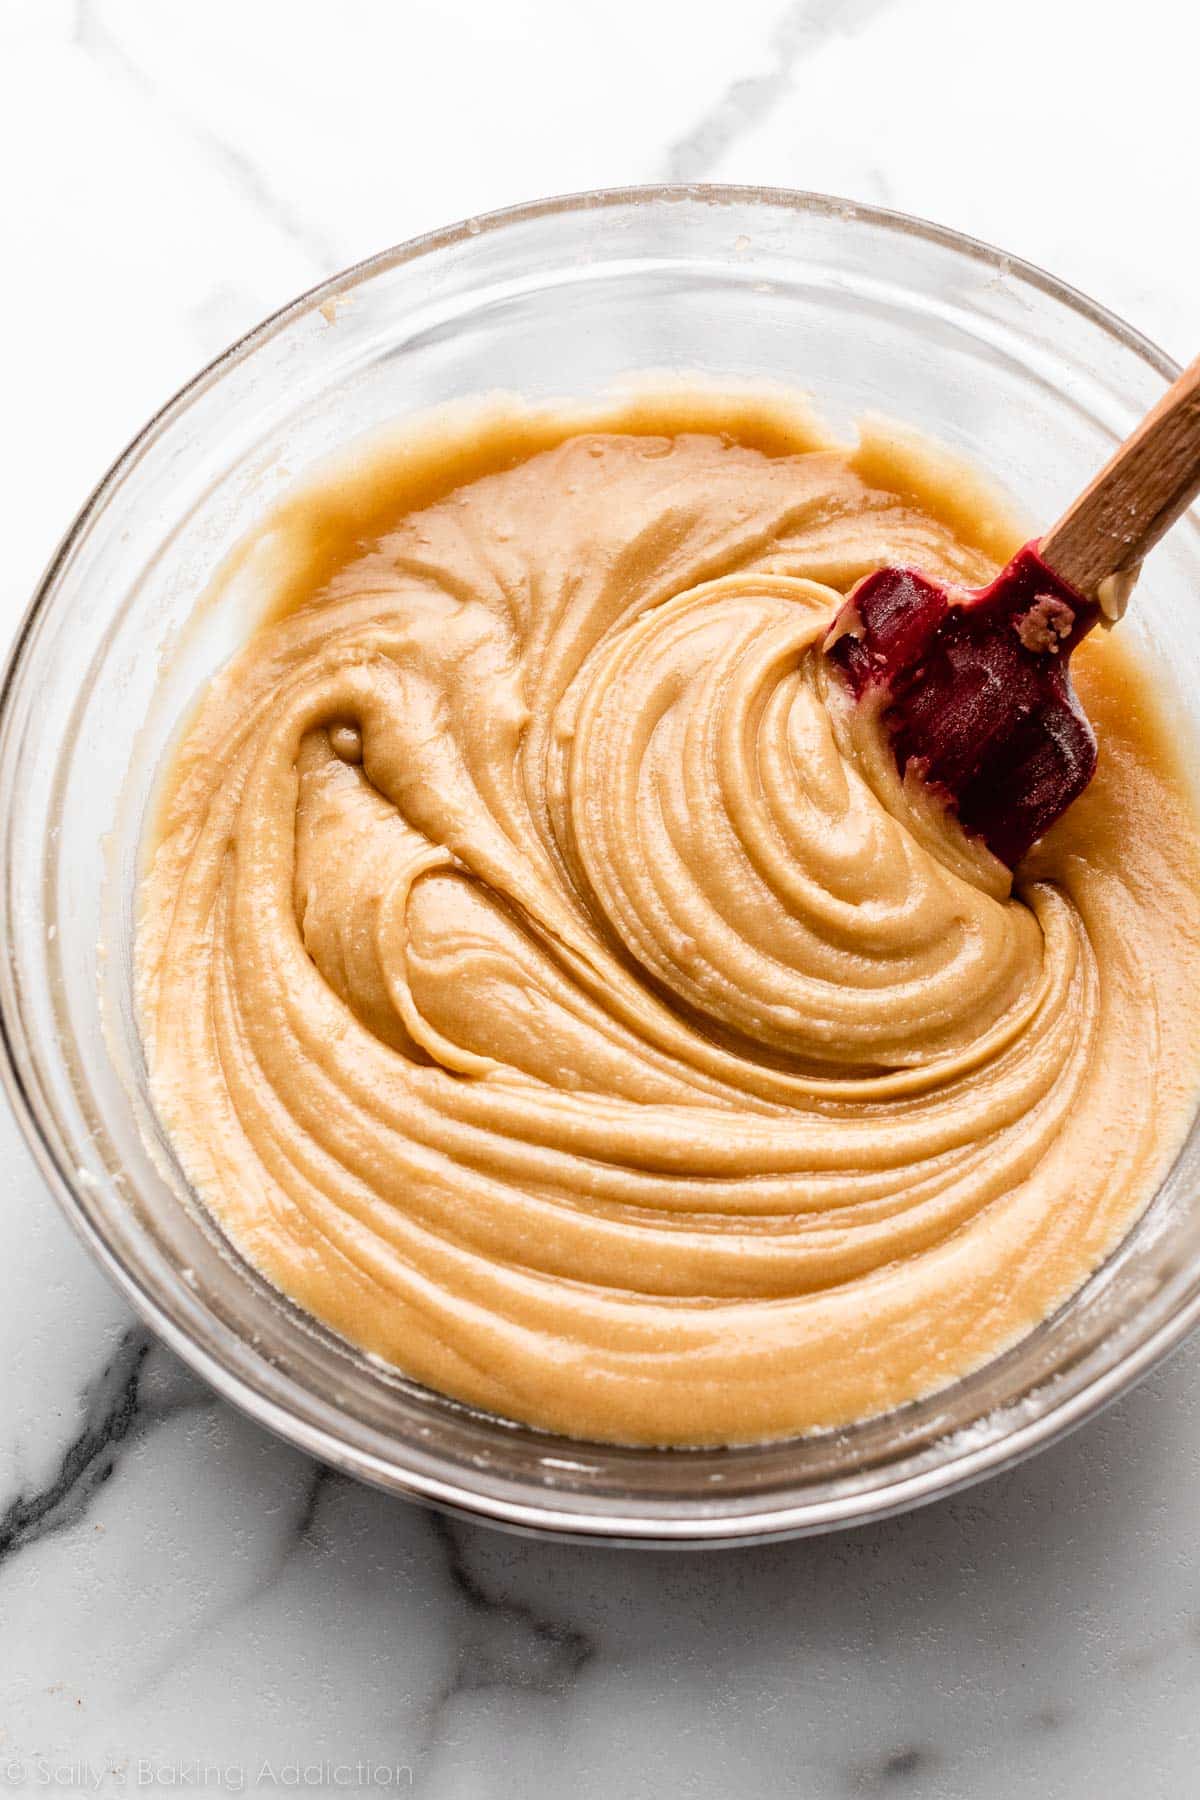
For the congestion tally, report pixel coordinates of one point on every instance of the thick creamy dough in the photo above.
(547, 982)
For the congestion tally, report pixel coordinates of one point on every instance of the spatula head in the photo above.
(978, 697)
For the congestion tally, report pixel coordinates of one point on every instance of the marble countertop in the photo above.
(186, 1604)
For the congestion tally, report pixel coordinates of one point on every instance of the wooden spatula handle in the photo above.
(1153, 477)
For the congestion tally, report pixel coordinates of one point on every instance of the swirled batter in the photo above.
(548, 983)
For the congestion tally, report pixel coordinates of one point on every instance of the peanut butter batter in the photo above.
(548, 983)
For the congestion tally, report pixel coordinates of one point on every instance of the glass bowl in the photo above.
(865, 309)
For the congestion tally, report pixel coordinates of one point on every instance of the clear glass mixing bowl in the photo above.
(865, 309)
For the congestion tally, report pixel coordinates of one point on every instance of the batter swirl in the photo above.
(549, 984)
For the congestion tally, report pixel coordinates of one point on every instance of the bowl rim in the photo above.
(585, 1522)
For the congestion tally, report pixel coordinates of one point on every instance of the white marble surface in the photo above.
(183, 1600)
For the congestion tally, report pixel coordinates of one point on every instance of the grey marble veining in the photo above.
(110, 52)
(110, 1409)
(802, 30)
(220, 1596)
(184, 1600)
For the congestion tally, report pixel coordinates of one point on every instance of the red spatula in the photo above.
(974, 685)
